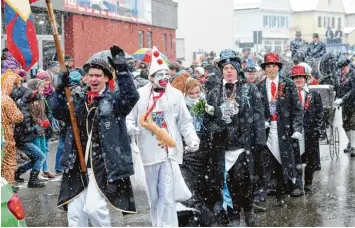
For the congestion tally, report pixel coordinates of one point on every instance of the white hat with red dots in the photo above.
(157, 63)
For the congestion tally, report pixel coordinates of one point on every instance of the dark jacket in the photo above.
(111, 158)
(246, 129)
(345, 89)
(316, 51)
(213, 78)
(25, 132)
(296, 45)
(314, 127)
(290, 120)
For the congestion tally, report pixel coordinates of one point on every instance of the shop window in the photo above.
(42, 24)
(149, 40)
(140, 39)
(319, 22)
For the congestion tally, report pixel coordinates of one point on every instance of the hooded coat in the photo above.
(10, 115)
(111, 156)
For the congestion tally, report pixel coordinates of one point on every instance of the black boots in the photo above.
(18, 173)
(34, 182)
(348, 148)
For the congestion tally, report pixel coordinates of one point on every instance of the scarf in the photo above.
(48, 91)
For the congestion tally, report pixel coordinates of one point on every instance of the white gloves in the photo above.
(131, 130)
(192, 147)
(338, 102)
(267, 125)
(209, 109)
(297, 135)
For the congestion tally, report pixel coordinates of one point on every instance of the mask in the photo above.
(161, 78)
(190, 101)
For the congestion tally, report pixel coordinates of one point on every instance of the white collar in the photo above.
(102, 91)
(225, 82)
(276, 80)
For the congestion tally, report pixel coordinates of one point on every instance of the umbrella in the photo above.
(104, 54)
(145, 55)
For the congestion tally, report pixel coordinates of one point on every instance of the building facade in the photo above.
(88, 27)
(271, 17)
(317, 16)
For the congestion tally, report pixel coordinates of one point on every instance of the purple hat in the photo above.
(10, 63)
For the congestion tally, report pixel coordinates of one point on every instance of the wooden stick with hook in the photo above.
(74, 123)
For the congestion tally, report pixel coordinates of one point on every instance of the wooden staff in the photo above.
(67, 89)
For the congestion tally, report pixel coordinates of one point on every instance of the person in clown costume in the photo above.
(159, 119)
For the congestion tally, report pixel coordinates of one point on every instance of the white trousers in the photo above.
(90, 204)
(160, 183)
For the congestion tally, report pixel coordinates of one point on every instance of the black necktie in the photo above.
(229, 89)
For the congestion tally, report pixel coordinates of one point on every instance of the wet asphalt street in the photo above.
(332, 202)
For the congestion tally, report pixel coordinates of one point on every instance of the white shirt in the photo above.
(268, 86)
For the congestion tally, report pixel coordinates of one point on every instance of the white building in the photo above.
(201, 29)
(272, 17)
(349, 29)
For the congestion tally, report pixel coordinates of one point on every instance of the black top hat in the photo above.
(101, 64)
(315, 35)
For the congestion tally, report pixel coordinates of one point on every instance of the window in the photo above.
(268, 46)
(140, 39)
(278, 22)
(339, 22)
(319, 22)
(266, 21)
(333, 22)
(149, 40)
(324, 22)
(328, 22)
(171, 43)
(278, 46)
(165, 43)
(286, 22)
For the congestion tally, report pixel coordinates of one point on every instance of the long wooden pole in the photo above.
(67, 89)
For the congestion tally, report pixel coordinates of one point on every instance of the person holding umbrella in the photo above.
(105, 141)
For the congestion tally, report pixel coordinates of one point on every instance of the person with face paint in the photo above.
(165, 107)
(314, 129)
(284, 120)
(233, 138)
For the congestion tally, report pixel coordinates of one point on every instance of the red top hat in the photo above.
(298, 71)
(271, 58)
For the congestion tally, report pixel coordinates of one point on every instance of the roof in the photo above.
(303, 5)
(349, 6)
(247, 4)
(348, 30)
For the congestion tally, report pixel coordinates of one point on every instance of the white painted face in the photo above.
(161, 78)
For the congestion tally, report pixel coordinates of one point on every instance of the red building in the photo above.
(86, 27)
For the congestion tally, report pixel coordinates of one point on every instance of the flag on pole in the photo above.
(21, 32)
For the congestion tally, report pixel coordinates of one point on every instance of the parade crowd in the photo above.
(207, 141)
